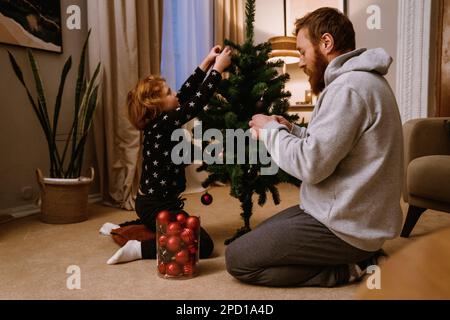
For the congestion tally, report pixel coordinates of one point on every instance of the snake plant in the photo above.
(67, 164)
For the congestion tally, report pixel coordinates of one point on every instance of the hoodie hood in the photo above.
(373, 60)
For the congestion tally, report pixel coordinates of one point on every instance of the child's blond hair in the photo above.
(144, 102)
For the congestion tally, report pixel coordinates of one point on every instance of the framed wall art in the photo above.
(31, 23)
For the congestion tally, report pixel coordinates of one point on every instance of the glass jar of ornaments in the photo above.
(177, 245)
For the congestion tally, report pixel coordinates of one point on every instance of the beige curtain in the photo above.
(229, 18)
(126, 39)
(228, 24)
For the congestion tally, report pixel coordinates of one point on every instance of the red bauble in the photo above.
(173, 269)
(163, 217)
(182, 257)
(192, 249)
(181, 218)
(174, 229)
(174, 244)
(207, 199)
(188, 236)
(193, 223)
(162, 268)
(162, 241)
(189, 269)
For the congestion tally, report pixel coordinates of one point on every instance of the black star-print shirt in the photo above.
(161, 179)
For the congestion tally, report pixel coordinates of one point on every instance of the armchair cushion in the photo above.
(429, 178)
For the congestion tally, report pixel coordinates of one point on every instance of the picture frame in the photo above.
(297, 9)
(35, 24)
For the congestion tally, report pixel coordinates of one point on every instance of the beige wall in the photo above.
(386, 37)
(22, 143)
(268, 19)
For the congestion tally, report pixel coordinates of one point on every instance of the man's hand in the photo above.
(210, 58)
(259, 121)
(284, 122)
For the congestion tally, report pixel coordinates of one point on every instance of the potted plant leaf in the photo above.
(64, 194)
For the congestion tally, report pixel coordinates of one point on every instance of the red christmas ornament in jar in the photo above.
(174, 244)
(173, 269)
(162, 240)
(182, 257)
(189, 269)
(174, 229)
(163, 217)
(188, 236)
(193, 249)
(162, 268)
(181, 218)
(193, 223)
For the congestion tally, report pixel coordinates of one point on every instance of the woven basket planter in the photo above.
(64, 201)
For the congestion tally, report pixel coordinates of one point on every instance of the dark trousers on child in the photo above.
(292, 249)
(147, 210)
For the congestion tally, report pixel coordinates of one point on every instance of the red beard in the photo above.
(317, 75)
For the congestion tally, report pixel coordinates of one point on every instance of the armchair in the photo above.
(427, 168)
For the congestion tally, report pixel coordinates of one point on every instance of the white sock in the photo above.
(129, 252)
(107, 228)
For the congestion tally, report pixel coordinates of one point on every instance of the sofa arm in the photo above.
(424, 137)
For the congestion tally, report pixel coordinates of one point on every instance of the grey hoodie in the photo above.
(350, 158)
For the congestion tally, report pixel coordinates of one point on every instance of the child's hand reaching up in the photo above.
(223, 61)
(210, 58)
(214, 53)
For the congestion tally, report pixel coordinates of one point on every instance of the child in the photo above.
(156, 110)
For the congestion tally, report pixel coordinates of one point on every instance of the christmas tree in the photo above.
(253, 86)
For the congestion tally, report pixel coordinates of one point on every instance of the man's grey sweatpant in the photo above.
(292, 249)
